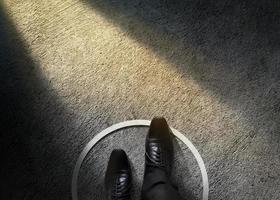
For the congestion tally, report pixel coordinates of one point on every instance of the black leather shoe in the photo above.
(159, 146)
(118, 176)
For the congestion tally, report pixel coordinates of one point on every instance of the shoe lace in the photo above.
(158, 159)
(120, 191)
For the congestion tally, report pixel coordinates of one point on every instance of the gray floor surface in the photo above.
(69, 69)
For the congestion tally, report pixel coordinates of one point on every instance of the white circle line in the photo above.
(136, 123)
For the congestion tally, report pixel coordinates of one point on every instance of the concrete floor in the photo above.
(71, 68)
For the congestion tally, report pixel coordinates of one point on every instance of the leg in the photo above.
(156, 186)
(158, 163)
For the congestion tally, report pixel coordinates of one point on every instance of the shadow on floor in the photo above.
(37, 161)
(231, 48)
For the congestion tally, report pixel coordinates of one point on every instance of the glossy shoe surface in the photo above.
(159, 146)
(118, 176)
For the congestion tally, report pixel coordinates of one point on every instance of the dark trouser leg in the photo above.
(156, 186)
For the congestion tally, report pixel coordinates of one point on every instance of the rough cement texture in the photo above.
(71, 68)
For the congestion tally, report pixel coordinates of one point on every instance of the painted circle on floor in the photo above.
(137, 123)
